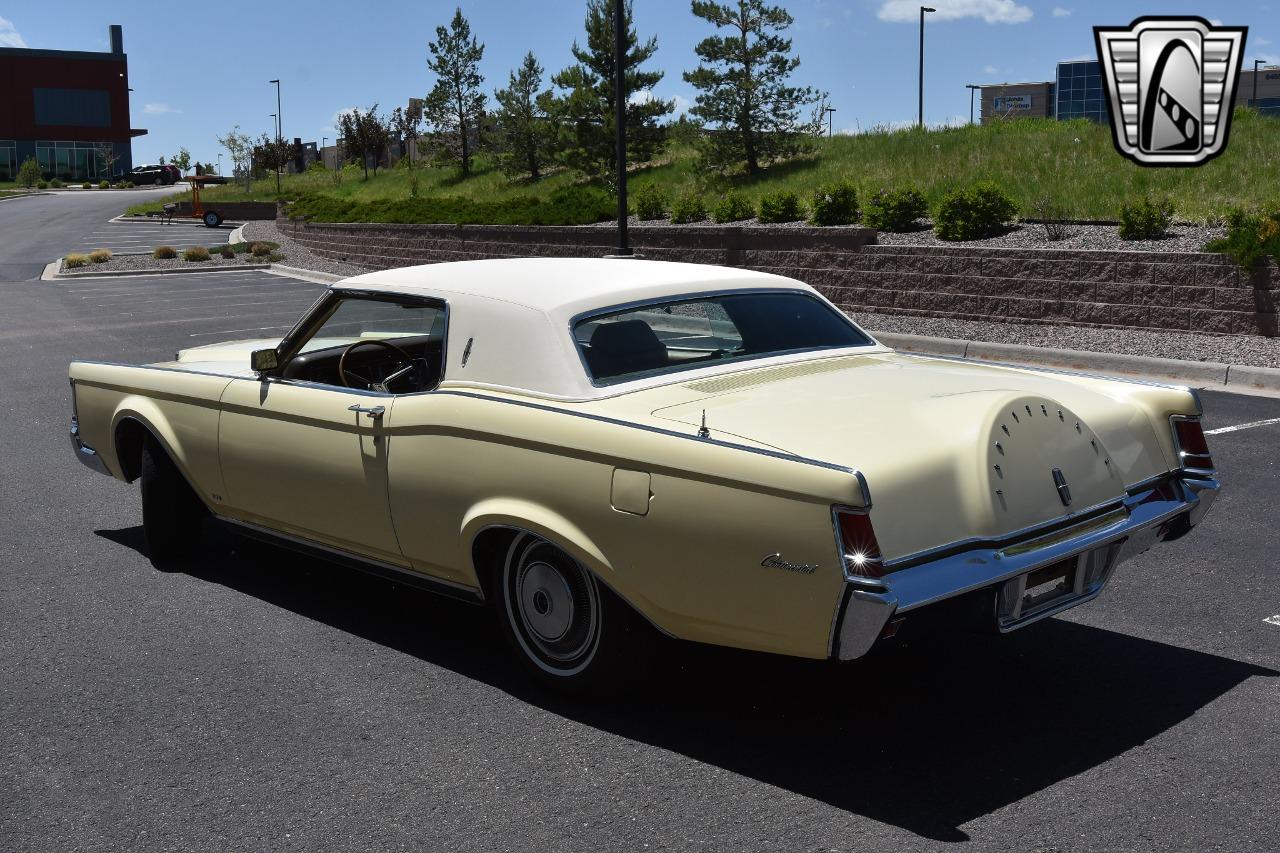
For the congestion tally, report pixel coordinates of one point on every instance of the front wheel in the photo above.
(569, 630)
(212, 219)
(172, 513)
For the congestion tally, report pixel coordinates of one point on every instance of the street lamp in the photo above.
(620, 123)
(1256, 63)
(279, 112)
(923, 10)
(972, 87)
(829, 111)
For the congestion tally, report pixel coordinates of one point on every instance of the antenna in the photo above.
(703, 432)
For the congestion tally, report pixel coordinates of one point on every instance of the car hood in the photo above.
(951, 450)
(228, 358)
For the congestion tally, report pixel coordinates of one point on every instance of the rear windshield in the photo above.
(666, 337)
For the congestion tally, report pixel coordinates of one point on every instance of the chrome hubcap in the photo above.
(546, 601)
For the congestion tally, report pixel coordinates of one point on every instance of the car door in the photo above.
(309, 460)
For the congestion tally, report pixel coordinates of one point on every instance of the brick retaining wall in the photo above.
(1155, 290)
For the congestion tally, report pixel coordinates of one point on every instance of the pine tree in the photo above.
(523, 121)
(744, 98)
(455, 105)
(586, 110)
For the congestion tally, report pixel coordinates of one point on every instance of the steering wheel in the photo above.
(405, 365)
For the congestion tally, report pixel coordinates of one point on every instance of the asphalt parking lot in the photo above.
(261, 701)
(141, 237)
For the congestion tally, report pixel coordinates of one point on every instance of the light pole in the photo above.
(620, 122)
(279, 132)
(1256, 63)
(923, 9)
(829, 111)
(972, 87)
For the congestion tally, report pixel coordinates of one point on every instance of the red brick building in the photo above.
(66, 108)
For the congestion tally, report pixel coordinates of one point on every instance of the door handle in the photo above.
(375, 412)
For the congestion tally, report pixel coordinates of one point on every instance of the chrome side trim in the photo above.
(1144, 517)
(775, 454)
(86, 454)
(389, 571)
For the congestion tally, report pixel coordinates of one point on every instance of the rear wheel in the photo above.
(172, 513)
(569, 630)
(212, 219)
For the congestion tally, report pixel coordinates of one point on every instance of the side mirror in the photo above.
(263, 360)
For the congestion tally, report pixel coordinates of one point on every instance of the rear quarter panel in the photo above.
(691, 564)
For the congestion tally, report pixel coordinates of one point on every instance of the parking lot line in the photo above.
(301, 303)
(236, 331)
(1273, 620)
(1237, 427)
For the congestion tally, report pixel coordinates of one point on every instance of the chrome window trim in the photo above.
(583, 316)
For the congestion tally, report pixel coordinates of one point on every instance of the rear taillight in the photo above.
(858, 544)
(1193, 450)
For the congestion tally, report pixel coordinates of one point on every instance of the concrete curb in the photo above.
(236, 235)
(23, 195)
(307, 275)
(156, 220)
(61, 276)
(1199, 373)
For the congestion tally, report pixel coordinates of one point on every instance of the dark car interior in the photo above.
(402, 365)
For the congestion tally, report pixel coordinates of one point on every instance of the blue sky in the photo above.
(189, 89)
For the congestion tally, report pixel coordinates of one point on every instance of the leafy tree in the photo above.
(365, 135)
(405, 123)
(182, 160)
(272, 153)
(587, 107)
(753, 113)
(240, 147)
(455, 104)
(29, 172)
(524, 123)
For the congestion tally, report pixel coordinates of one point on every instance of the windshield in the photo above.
(355, 319)
(671, 336)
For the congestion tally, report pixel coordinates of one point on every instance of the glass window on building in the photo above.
(8, 160)
(1080, 93)
(71, 161)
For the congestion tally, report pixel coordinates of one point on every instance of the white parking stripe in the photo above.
(233, 331)
(300, 303)
(1251, 425)
(1273, 620)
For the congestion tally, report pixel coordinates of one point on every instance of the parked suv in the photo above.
(154, 174)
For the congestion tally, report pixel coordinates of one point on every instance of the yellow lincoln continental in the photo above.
(599, 447)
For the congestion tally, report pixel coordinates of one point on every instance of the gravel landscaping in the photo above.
(1251, 350)
(1181, 238)
(296, 254)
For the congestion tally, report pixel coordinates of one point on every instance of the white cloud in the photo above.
(991, 11)
(159, 109)
(990, 70)
(9, 37)
(1059, 12)
(644, 96)
(334, 122)
(1080, 57)
(1261, 42)
(1217, 22)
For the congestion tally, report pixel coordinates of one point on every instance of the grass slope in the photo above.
(1071, 163)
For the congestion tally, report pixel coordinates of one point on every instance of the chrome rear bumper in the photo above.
(1159, 510)
(84, 452)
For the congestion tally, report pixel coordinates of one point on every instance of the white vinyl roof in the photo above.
(515, 312)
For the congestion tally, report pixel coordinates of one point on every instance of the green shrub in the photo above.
(75, 259)
(1250, 238)
(100, 256)
(86, 185)
(689, 207)
(732, 208)
(319, 166)
(42, 185)
(894, 210)
(102, 185)
(575, 205)
(1145, 219)
(164, 253)
(974, 213)
(836, 204)
(226, 252)
(261, 250)
(780, 207)
(28, 173)
(56, 184)
(196, 253)
(129, 185)
(651, 202)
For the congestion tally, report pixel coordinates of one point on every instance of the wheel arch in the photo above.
(133, 423)
(491, 525)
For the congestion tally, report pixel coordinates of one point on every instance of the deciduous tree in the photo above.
(752, 113)
(455, 104)
(586, 108)
(182, 160)
(240, 147)
(365, 135)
